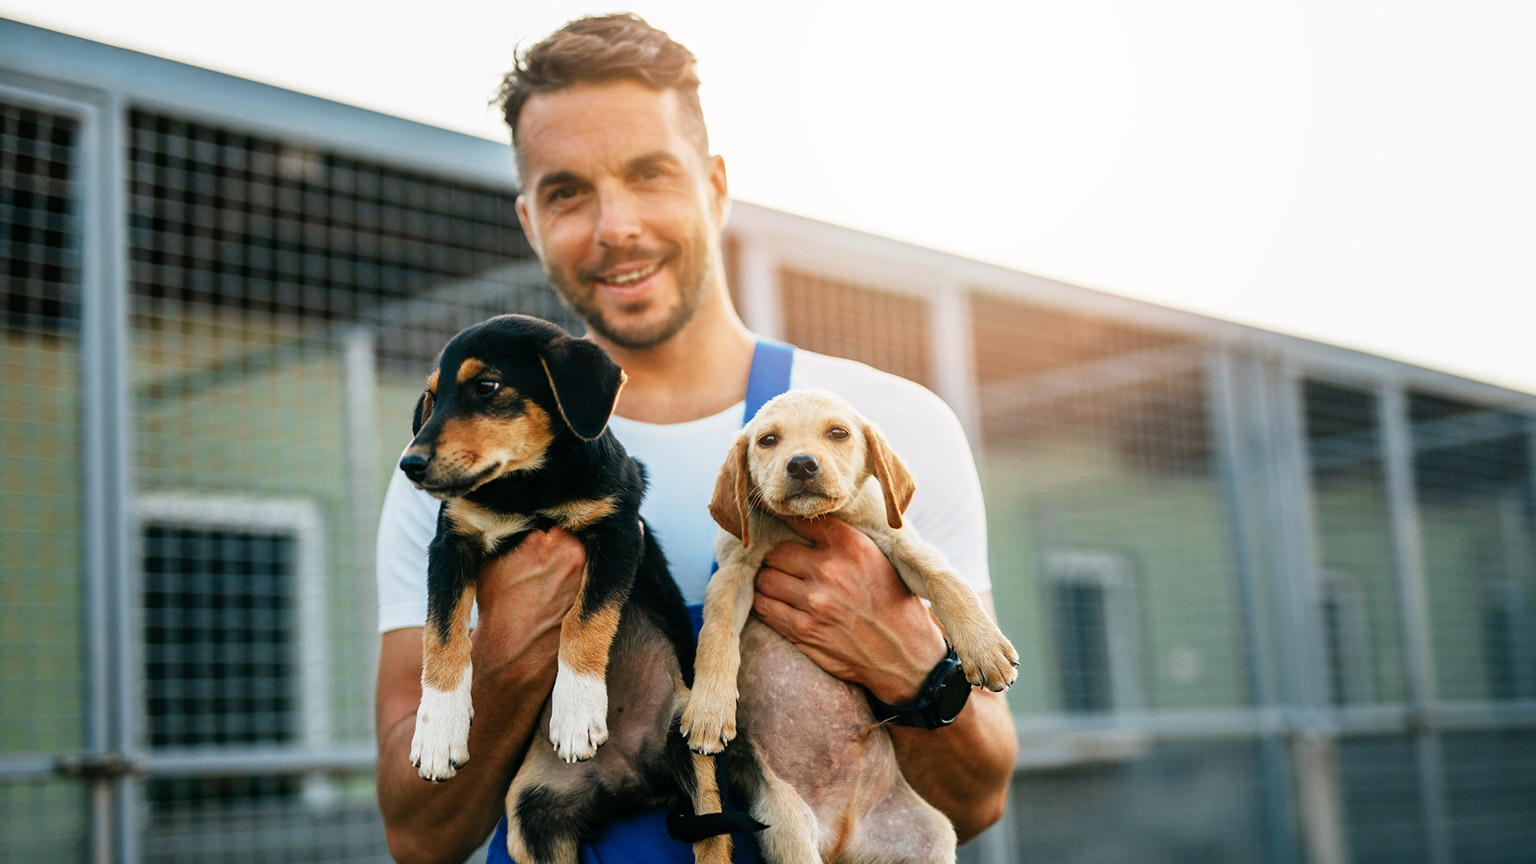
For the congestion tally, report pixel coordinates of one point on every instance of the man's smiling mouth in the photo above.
(626, 279)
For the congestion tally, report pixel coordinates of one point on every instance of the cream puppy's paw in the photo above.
(709, 721)
(988, 658)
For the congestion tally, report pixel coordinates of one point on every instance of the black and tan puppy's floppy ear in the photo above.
(729, 504)
(586, 383)
(896, 482)
(423, 409)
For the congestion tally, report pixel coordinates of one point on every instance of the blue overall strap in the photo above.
(642, 838)
(771, 365)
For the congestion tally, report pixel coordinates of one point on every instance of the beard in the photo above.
(579, 295)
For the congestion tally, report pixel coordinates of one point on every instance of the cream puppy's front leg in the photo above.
(709, 721)
(988, 658)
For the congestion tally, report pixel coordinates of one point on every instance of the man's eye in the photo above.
(837, 433)
(562, 193)
(767, 440)
(486, 386)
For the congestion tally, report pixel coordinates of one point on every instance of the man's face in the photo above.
(621, 206)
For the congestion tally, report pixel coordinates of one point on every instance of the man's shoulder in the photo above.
(888, 399)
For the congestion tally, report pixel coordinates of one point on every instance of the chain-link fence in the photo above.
(1274, 602)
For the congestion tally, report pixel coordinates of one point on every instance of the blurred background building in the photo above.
(1274, 598)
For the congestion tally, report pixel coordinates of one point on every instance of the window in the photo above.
(1093, 623)
(233, 607)
(1347, 630)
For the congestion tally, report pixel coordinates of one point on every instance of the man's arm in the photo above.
(844, 605)
(522, 599)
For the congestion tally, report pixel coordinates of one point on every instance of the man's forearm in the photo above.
(963, 769)
(446, 821)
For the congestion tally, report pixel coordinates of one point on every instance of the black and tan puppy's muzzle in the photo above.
(445, 478)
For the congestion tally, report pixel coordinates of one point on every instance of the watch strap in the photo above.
(927, 710)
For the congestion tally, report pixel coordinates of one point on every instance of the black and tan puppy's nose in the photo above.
(414, 465)
(803, 467)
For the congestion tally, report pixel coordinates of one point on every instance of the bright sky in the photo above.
(1354, 171)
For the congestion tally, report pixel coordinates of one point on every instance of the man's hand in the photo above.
(522, 598)
(843, 604)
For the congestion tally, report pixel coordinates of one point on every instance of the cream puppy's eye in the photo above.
(768, 440)
(837, 433)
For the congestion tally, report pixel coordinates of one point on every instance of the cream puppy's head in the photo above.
(807, 453)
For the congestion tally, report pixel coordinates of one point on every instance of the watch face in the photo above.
(952, 698)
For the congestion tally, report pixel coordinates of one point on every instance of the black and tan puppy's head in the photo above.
(503, 392)
(807, 453)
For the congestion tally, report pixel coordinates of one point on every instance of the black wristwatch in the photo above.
(938, 703)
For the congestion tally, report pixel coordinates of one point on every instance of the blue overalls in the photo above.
(642, 838)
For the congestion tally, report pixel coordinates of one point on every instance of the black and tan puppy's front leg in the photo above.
(578, 722)
(440, 745)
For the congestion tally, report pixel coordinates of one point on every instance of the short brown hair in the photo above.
(599, 50)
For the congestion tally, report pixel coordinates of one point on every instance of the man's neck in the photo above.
(700, 371)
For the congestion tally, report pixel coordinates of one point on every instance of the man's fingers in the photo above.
(792, 558)
(782, 617)
(781, 587)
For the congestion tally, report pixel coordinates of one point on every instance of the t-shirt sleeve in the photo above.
(406, 528)
(947, 508)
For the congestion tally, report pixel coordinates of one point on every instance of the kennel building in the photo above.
(1274, 598)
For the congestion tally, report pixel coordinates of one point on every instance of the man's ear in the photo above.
(720, 192)
(526, 220)
(586, 383)
(896, 482)
(729, 505)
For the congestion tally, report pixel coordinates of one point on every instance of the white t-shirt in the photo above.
(682, 459)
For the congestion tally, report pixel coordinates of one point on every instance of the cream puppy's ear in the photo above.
(729, 505)
(896, 481)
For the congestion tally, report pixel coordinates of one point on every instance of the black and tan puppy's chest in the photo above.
(511, 435)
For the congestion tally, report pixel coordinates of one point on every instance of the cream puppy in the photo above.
(825, 783)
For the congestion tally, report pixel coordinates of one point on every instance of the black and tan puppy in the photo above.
(511, 434)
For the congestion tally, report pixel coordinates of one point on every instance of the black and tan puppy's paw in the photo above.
(440, 745)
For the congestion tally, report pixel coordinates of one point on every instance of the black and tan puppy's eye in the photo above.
(486, 386)
(767, 440)
(838, 433)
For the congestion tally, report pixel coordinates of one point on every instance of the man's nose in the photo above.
(618, 222)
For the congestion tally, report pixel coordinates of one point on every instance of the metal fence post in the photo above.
(1408, 555)
(1232, 460)
(1314, 736)
(109, 547)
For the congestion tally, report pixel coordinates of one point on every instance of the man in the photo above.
(624, 206)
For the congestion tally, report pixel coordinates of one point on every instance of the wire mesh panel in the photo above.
(1360, 606)
(1383, 800)
(1177, 802)
(1491, 792)
(42, 667)
(1473, 477)
(837, 317)
(286, 304)
(1112, 572)
(1109, 535)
